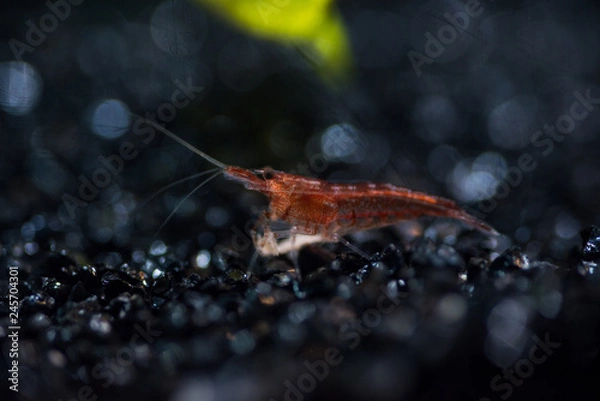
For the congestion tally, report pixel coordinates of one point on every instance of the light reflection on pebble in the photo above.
(20, 87)
(452, 308)
(103, 234)
(479, 180)
(138, 256)
(202, 259)
(195, 389)
(512, 123)
(31, 248)
(566, 226)
(291, 333)
(243, 342)
(48, 175)
(28, 231)
(491, 162)
(522, 234)
(471, 186)
(507, 332)
(217, 216)
(158, 248)
(342, 142)
(300, 311)
(110, 118)
(550, 304)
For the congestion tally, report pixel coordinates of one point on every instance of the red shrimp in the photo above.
(320, 211)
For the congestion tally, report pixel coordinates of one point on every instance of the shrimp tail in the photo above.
(475, 222)
(428, 205)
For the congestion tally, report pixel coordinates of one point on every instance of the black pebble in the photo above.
(590, 248)
(113, 285)
(78, 293)
(511, 260)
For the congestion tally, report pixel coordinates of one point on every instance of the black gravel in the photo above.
(419, 320)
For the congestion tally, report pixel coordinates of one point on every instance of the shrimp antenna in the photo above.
(182, 142)
(182, 180)
(184, 199)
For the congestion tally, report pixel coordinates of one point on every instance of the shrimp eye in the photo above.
(268, 174)
(265, 174)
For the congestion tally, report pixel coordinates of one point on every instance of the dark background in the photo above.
(455, 130)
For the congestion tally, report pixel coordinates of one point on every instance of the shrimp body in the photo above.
(319, 211)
